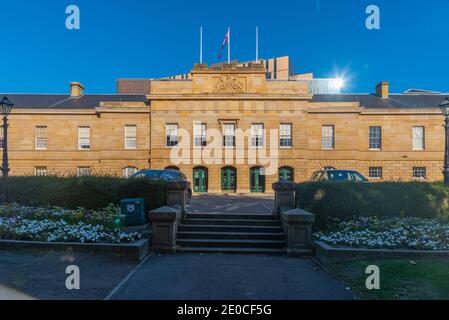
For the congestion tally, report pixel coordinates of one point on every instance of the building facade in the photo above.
(229, 129)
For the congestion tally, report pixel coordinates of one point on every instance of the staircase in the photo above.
(231, 233)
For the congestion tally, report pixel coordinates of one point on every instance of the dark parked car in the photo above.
(165, 175)
(337, 176)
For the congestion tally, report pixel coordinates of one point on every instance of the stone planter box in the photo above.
(134, 251)
(327, 254)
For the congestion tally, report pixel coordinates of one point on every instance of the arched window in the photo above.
(257, 179)
(200, 179)
(229, 179)
(329, 168)
(286, 174)
(129, 171)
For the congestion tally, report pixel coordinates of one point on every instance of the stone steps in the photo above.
(230, 228)
(231, 222)
(231, 234)
(230, 250)
(231, 216)
(235, 243)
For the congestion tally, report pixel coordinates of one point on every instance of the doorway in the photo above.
(200, 180)
(257, 177)
(229, 179)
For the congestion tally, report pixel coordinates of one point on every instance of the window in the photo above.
(328, 140)
(83, 138)
(229, 135)
(172, 135)
(419, 173)
(40, 171)
(83, 171)
(375, 172)
(418, 138)
(257, 135)
(199, 134)
(41, 137)
(375, 138)
(130, 137)
(129, 171)
(286, 174)
(286, 135)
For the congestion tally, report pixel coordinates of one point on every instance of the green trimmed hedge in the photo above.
(414, 199)
(92, 192)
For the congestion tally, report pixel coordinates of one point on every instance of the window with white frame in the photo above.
(257, 135)
(418, 138)
(375, 172)
(199, 134)
(229, 135)
(83, 138)
(130, 137)
(172, 135)
(129, 171)
(40, 171)
(285, 133)
(375, 138)
(41, 137)
(328, 139)
(419, 173)
(83, 171)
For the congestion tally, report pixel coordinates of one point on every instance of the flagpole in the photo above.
(201, 45)
(257, 44)
(229, 45)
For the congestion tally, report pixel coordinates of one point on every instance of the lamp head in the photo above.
(6, 106)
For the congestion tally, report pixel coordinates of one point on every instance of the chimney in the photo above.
(382, 89)
(76, 89)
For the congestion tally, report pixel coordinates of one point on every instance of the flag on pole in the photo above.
(225, 42)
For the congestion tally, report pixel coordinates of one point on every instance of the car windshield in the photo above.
(152, 174)
(171, 175)
(345, 176)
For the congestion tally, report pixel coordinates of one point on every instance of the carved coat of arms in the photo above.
(229, 84)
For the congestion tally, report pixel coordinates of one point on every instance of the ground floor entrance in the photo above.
(229, 179)
(200, 180)
(257, 180)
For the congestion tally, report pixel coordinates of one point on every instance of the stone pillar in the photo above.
(298, 228)
(176, 195)
(165, 228)
(284, 198)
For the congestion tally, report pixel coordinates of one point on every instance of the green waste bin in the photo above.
(133, 212)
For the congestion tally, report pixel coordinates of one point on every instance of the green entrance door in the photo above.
(228, 179)
(200, 180)
(257, 180)
(286, 174)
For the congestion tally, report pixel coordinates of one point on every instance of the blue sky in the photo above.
(150, 39)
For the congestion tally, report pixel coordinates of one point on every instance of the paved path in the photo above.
(30, 274)
(232, 204)
(230, 277)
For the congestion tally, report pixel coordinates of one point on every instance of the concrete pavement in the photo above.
(230, 277)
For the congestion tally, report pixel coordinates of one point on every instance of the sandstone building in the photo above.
(384, 136)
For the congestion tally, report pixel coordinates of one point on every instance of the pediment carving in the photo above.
(229, 84)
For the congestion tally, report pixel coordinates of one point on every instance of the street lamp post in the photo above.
(445, 109)
(5, 109)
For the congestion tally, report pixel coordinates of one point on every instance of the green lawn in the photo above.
(399, 279)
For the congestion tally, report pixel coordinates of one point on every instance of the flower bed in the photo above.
(62, 225)
(387, 233)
